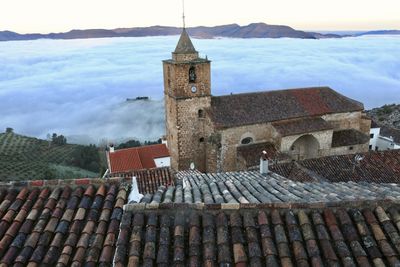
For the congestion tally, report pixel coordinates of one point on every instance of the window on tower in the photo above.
(201, 113)
(192, 75)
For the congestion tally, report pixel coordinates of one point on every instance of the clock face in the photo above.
(194, 89)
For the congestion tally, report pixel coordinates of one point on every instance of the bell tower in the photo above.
(187, 94)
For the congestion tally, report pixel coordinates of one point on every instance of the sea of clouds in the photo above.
(79, 87)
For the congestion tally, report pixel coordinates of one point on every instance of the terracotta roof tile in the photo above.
(55, 227)
(149, 181)
(136, 158)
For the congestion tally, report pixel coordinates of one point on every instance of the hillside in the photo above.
(253, 30)
(23, 158)
(387, 115)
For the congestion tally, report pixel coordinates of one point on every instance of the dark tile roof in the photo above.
(349, 137)
(149, 180)
(270, 106)
(251, 153)
(136, 158)
(374, 167)
(391, 132)
(252, 187)
(184, 45)
(293, 171)
(300, 126)
(257, 236)
(60, 226)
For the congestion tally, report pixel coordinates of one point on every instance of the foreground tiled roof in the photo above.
(149, 180)
(252, 187)
(348, 137)
(299, 126)
(364, 236)
(72, 225)
(270, 106)
(377, 167)
(136, 158)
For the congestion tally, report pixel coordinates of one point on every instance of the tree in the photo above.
(58, 140)
(86, 157)
(136, 143)
(9, 130)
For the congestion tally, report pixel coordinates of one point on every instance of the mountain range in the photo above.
(254, 30)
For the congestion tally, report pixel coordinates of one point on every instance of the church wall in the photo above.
(172, 130)
(348, 120)
(365, 125)
(178, 84)
(192, 132)
(231, 139)
(324, 139)
(345, 150)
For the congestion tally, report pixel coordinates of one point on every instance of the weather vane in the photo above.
(183, 13)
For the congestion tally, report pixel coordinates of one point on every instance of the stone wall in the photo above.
(348, 120)
(346, 150)
(231, 139)
(186, 132)
(176, 79)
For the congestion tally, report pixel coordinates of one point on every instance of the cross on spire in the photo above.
(183, 14)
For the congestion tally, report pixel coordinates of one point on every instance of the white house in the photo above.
(384, 138)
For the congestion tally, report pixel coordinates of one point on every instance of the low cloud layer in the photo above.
(78, 87)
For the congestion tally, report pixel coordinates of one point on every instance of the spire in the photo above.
(185, 45)
(183, 14)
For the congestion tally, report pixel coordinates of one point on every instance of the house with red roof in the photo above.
(137, 158)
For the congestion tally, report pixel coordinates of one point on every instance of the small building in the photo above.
(383, 138)
(137, 158)
(374, 135)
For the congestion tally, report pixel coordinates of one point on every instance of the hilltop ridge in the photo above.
(253, 30)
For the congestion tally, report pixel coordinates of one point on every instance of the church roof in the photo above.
(185, 45)
(270, 106)
(348, 137)
(299, 126)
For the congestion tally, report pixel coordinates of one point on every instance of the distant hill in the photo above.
(23, 158)
(382, 32)
(254, 30)
(387, 115)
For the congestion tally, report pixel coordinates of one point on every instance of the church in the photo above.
(229, 133)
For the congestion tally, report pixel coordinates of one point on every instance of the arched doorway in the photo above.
(305, 147)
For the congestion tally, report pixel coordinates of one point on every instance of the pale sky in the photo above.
(28, 16)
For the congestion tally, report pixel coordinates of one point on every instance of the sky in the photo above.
(78, 88)
(44, 16)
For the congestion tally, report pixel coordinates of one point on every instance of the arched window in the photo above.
(201, 113)
(246, 141)
(192, 74)
(201, 140)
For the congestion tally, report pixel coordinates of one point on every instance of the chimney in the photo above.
(111, 148)
(264, 163)
(164, 141)
(134, 195)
